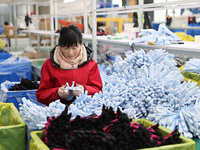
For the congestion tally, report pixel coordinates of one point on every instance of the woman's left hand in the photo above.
(77, 92)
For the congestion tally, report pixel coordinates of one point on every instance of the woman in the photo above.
(69, 61)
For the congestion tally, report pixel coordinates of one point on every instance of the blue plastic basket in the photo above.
(193, 32)
(4, 56)
(196, 32)
(15, 97)
(189, 31)
(155, 26)
(177, 30)
(1, 29)
(15, 71)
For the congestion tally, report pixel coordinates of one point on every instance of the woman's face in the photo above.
(71, 53)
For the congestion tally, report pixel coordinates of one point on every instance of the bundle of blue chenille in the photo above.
(146, 86)
(35, 115)
(161, 37)
(193, 65)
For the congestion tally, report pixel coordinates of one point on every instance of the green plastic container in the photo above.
(187, 144)
(36, 143)
(12, 128)
(197, 143)
(38, 63)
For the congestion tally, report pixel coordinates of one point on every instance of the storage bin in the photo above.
(36, 142)
(155, 26)
(29, 127)
(193, 32)
(190, 31)
(196, 32)
(2, 44)
(187, 144)
(177, 30)
(12, 128)
(4, 56)
(38, 63)
(16, 96)
(14, 70)
(1, 29)
(197, 143)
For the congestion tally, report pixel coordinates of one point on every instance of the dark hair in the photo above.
(70, 36)
(6, 23)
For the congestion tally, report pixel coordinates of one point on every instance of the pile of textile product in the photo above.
(25, 84)
(108, 131)
(191, 70)
(181, 60)
(29, 112)
(193, 65)
(145, 86)
(161, 37)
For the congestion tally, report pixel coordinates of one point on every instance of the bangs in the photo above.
(70, 39)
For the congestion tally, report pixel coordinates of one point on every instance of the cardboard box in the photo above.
(33, 37)
(22, 36)
(42, 25)
(2, 36)
(131, 2)
(41, 44)
(9, 31)
(31, 55)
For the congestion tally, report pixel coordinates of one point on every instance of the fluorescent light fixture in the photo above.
(189, 4)
(67, 1)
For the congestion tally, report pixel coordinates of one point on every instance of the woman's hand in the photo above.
(77, 92)
(62, 93)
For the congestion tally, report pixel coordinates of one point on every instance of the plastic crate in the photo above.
(37, 63)
(189, 31)
(4, 56)
(15, 96)
(12, 128)
(1, 29)
(177, 30)
(155, 26)
(187, 144)
(196, 32)
(15, 70)
(36, 142)
(197, 143)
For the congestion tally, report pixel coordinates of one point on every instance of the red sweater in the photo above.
(52, 78)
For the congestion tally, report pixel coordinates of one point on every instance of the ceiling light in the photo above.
(67, 1)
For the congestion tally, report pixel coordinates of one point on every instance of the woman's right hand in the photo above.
(62, 93)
